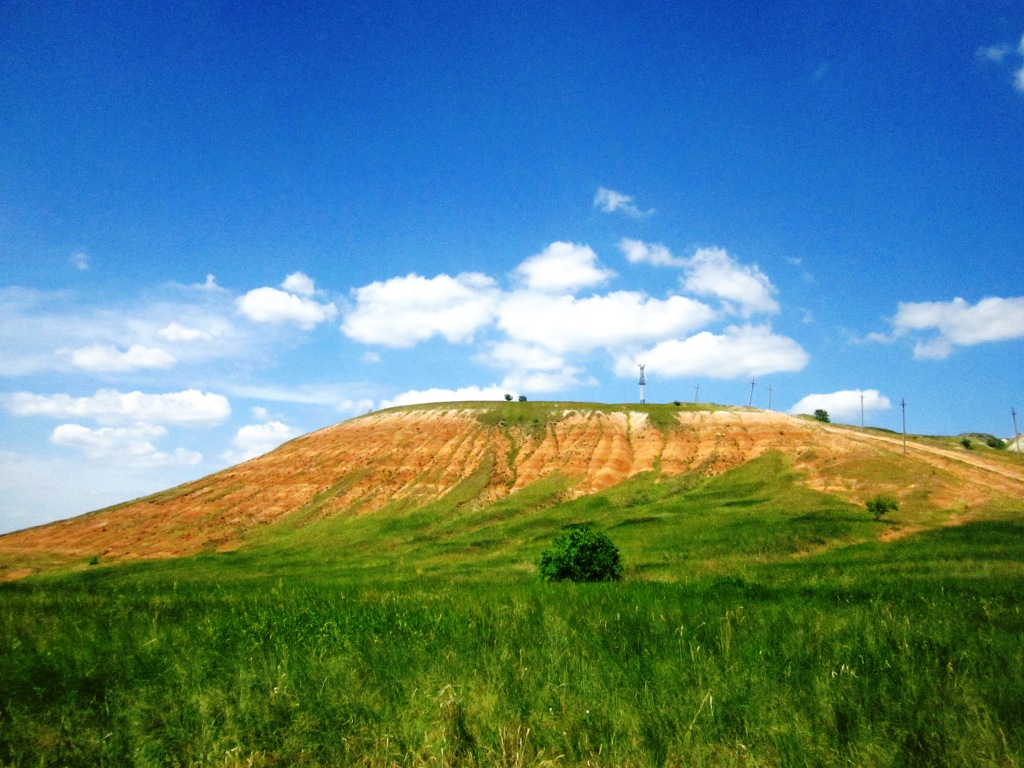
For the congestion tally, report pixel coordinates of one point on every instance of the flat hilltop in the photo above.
(477, 454)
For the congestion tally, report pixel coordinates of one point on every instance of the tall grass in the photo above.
(760, 625)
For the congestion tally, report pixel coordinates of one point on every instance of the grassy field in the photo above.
(759, 624)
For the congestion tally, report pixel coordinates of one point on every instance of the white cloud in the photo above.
(739, 352)
(436, 395)
(300, 283)
(565, 324)
(404, 311)
(712, 272)
(80, 260)
(993, 52)
(1018, 80)
(517, 356)
(957, 323)
(175, 332)
(845, 404)
(562, 267)
(638, 252)
(545, 381)
(190, 408)
(341, 398)
(270, 305)
(124, 445)
(254, 440)
(261, 413)
(105, 358)
(610, 201)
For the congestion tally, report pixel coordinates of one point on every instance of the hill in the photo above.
(473, 455)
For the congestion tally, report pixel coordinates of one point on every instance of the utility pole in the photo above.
(862, 410)
(1016, 434)
(751, 400)
(769, 397)
(903, 404)
(696, 395)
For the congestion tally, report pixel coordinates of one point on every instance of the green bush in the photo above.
(821, 415)
(880, 505)
(966, 443)
(581, 554)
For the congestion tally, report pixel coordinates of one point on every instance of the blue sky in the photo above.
(223, 227)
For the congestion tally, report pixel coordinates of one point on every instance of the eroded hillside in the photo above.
(409, 456)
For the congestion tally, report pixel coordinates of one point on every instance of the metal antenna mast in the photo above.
(751, 400)
(862, 410)
(643, 385)
(769, 397)
(696, 393)
(1016, 434)
(903, 404)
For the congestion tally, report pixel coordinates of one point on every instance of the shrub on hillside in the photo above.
(881, 505)
(581, 554)
(821, 415)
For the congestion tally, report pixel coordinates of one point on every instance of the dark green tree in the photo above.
(581, 554)
(881, 505)
(822, 415)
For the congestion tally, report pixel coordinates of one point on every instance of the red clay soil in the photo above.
(417, 455)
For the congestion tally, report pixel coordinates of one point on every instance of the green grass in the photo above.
(759, 624)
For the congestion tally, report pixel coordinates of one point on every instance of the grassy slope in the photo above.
(760, 623)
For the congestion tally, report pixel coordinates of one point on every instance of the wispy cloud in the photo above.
(190, 408)
(80, 260)
(610, 201)
(123, 445)
(957, 323)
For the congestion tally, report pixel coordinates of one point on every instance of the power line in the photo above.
(1016, 434)
(902, 403)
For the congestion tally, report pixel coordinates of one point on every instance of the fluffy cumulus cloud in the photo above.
(190, 408)
(610, 201)
(959, 324)
(270, 305)
(562, 268)
(844, 405)
(740, 351)
(566, 324)
(404, 311)
(291, 304)
(713, 272)
(299, 283)
(254, 440)
(132, 445)
(438, 395)
(103, 358)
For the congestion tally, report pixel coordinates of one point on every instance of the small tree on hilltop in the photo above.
(821, 415)
(522, 398)
(581, 554)
(508, 397)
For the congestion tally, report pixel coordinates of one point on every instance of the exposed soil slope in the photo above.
(413, 455)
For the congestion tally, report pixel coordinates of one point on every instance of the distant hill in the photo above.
(401, 458)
